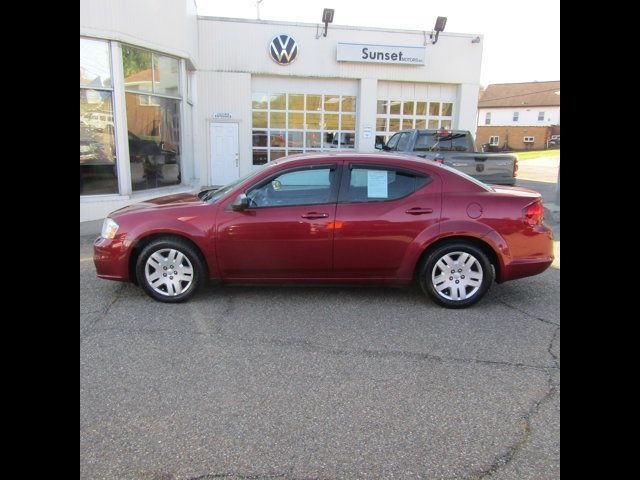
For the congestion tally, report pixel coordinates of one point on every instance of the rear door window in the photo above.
(380, 183)
(442, 142)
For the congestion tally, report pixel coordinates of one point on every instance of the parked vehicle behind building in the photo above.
(456, 148)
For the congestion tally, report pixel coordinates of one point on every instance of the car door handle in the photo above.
(315, 215)
(419, 211)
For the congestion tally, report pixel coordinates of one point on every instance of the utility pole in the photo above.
(258, 8)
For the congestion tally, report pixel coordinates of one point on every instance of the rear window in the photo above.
(442, 142)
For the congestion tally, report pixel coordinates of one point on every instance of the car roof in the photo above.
(342, 154)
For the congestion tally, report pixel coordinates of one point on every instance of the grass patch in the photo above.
(537, 154)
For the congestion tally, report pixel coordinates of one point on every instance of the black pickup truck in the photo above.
(456, 149)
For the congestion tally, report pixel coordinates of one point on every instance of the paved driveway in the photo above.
(281, 382)
(541, 175)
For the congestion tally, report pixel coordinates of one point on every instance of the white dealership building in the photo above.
(172, 102)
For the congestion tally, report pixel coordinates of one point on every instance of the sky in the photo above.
(521, 39)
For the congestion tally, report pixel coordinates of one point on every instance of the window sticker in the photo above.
(377, 184)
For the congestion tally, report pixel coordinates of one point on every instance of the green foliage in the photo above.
(134, 60)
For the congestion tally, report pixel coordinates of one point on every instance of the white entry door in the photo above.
(225, 165)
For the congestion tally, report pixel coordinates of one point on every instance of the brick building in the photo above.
(519, 116)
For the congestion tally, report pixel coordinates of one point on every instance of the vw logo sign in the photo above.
(283, 49)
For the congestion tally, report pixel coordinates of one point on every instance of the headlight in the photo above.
(109, 228)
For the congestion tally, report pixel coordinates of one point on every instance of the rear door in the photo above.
(381, 210)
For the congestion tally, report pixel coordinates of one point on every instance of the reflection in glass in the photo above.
(296, 101)
(314, 121)
(260, 138)
(395, 107)
(408, 108)
(331, 103)
(259, 101)
(260, 157)
(421, 108)
(136, 64)
(166, 78)
(295, 139)
(348, 104)
(421, 124)
(381, 124)
(446, 124)
(314, 102)
(98, 173)
(95, 70)
(407, 124)
(278, 101)
(434, 108)
(313, 140)
(278, 120)
(278, 138)
(154, 141)
(331, 121)
(447, 109)
(296, 120)
(394, 124)
(275, 154)
(348, 122)
(433, 124)
(382, 106)
(259, 119)
(347, 140)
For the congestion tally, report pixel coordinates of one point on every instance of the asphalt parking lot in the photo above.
(322, 382)
(302, 383)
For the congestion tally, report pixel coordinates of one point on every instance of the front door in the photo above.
(225, 165)
(287, 231)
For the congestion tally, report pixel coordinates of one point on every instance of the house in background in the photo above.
(519, 116)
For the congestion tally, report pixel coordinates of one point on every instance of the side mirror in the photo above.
(385, 148)
(240, 203)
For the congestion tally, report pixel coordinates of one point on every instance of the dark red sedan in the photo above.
(332, 218)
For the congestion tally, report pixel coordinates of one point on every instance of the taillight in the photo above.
(515, 167)
(533, 214)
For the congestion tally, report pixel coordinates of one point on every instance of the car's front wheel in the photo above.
(169, 270)
(456, 275)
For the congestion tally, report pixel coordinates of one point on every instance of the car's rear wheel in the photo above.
(169, 270)
(456, 274)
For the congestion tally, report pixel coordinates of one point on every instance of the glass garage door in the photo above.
(289, 123)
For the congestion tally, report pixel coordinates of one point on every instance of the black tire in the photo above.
(483, 264)
(192, 256)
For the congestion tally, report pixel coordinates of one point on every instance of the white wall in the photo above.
(169, 26)
(528, 116)
(243, 46)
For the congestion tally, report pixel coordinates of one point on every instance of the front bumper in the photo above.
(111, 258)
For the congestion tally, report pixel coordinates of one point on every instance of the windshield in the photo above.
(468, 177)
(442, 142)
(216, 194)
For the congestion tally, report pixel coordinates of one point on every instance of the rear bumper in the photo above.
(530, 255)
(111, 259)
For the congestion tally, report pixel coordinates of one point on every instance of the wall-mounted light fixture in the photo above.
(327, 18)
(439, 27)
(476, 40)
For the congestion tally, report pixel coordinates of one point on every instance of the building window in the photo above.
(516, 115)
(153, 100)
(395, 114)
(494, 141)
(98, 163)
(540, 116)
(529, 139)
(487, 118)
(285, 124)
